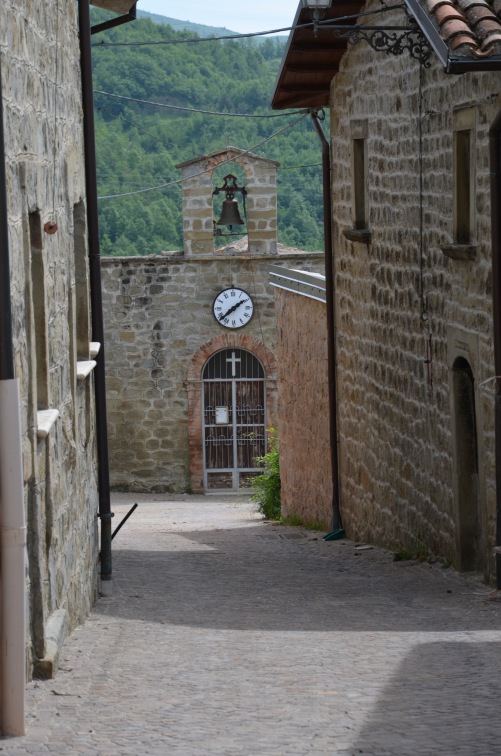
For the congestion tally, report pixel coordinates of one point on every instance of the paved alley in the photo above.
(229, 635)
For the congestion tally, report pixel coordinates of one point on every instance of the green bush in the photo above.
(266, 486)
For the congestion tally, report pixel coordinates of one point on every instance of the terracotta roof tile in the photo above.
(474, 25)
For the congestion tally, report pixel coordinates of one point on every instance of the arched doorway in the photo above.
(195, 388)
(466, 459)
(234, 419)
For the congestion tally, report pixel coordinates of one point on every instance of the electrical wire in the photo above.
(196, 110)
(209, 170)
(320, 24)
(144, 131)
(296, 167)
(103, 176)
(200, 39)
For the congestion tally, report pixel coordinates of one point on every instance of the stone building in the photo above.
(414, 266)
(191, 392)
(53, 357)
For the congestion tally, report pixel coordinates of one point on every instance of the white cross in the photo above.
(233, 361)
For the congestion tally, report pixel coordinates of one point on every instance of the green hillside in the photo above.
(139, 145)
(201, 29)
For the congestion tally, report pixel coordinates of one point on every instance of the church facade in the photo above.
(191, 366)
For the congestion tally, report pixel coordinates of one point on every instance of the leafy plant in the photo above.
(421, 554)
(266, 486)
(292, 520)
(296, 521)
(402, 555)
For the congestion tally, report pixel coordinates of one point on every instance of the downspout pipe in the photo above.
(12, 518)
(495, 171)
(331, 325)
(105, 512)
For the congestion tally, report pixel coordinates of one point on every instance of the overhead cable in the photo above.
(194, 40)
(144, 131)
(209, 170)
(197, 110)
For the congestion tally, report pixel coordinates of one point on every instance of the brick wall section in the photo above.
(397, 460)
(158, 318)
(305, 469)
(45, 175)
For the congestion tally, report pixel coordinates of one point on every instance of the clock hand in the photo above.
(232, 309)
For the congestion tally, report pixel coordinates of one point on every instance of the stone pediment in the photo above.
(231, 154)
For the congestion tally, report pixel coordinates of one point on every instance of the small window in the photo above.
(81, 310)
(359, 231)
(359, 208)
(464, 176)
(39, 311)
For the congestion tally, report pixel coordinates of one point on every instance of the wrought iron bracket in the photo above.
(394, 42)
(389, 38)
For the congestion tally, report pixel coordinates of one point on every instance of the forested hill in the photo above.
(139, 145)
(201, 29)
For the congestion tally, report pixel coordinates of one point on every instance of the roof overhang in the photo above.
(311, 61)
(125, 10)
(117, 6)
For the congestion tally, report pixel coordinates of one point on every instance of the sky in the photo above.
(259, 15)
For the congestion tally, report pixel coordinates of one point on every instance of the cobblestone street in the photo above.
(229, 635)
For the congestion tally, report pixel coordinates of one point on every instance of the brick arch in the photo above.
(194, 389)
(234, 157)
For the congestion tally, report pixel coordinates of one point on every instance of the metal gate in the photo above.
(234, 419)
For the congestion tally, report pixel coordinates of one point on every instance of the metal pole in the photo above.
(331, 325)
(95, 287)
(6, 351)
(495, 169)
(12, 519)
(124, 520)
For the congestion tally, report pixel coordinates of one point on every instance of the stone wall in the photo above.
(40, 60)
(158, 316)
(405, 299)
(303, 408)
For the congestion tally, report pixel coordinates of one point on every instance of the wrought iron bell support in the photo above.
(230, 214)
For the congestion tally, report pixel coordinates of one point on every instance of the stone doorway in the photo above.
(471, 545)
(466, 453)
(234, 419)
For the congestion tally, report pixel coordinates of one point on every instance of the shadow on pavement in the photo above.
(443, 699)
(251, 578)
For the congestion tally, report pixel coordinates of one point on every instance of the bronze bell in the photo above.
(230, 214)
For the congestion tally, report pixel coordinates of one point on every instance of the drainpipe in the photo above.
(12, 521)
(105, 512)
(495, 169)
(331, 329)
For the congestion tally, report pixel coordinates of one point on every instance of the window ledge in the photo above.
(45, 421)
(460, 251)
(94, 348)
(361, 235)
(84, 369)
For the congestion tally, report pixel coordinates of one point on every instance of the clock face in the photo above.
(233, 308)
